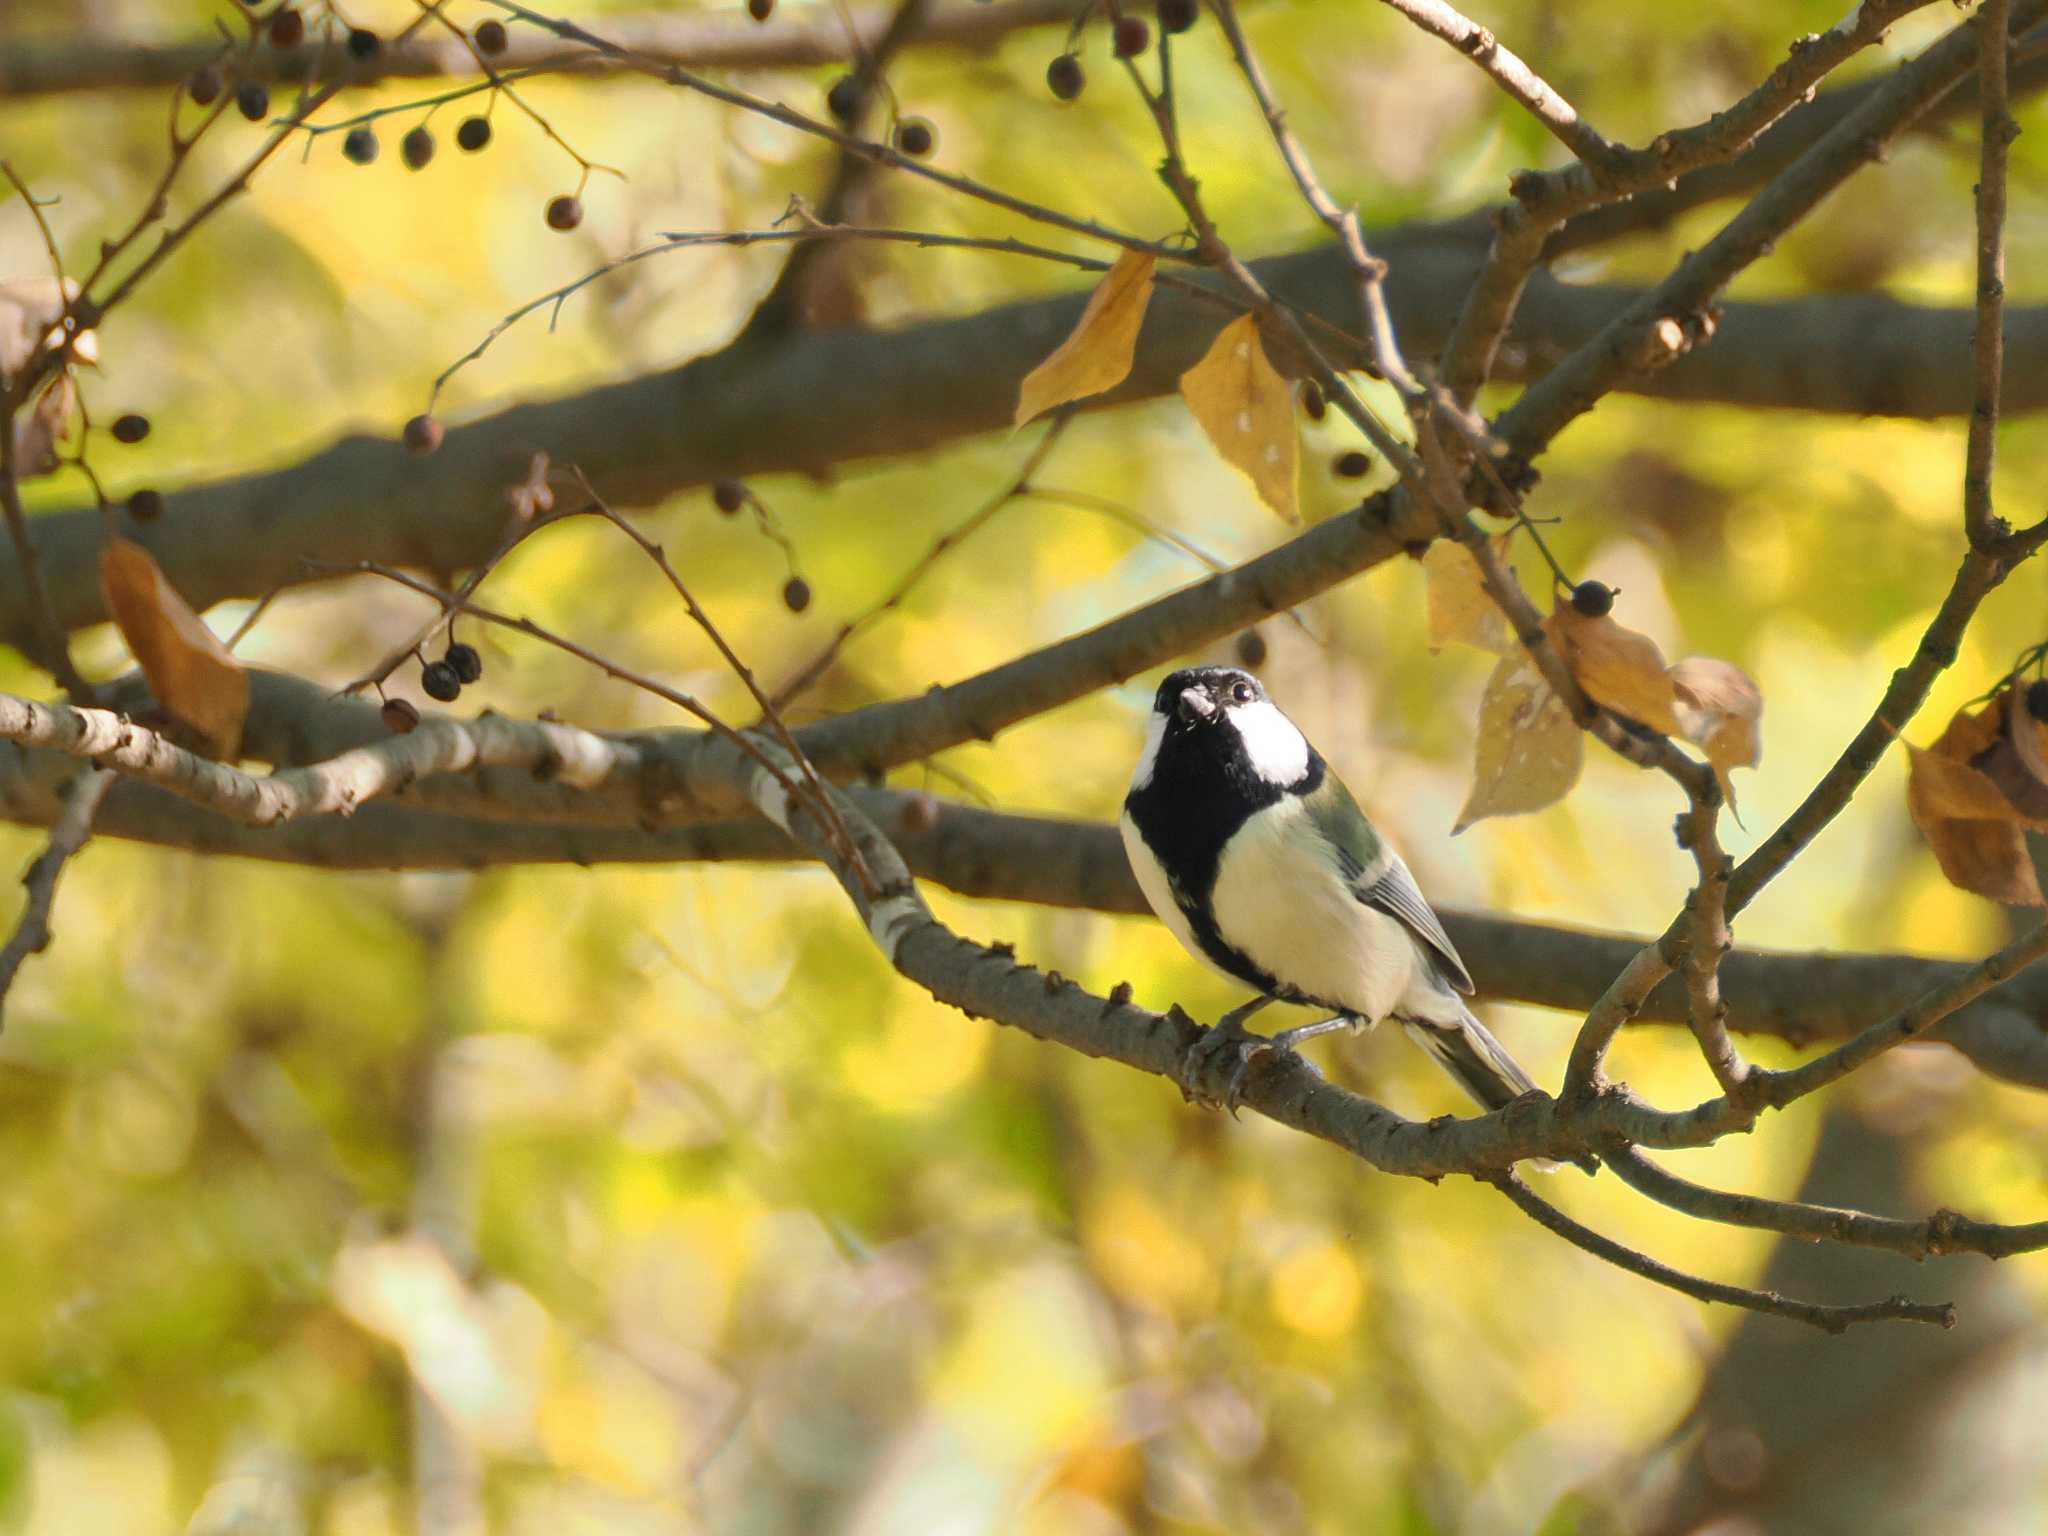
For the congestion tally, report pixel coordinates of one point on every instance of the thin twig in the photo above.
(1943, 1232)
(1980, 520)
(1343, 222)
(816, 796)
(1018, 485)
(1829, 1319)
(68, 834)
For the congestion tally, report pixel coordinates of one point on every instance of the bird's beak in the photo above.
(1196, 705)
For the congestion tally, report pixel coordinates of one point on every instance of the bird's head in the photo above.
(1220, 717)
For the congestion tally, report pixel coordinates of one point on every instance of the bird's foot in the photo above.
(1226, 1037)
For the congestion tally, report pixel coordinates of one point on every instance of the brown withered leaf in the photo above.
(191, 673)
(1617, 666)
(1458, 604)
(1247, 410)
(1529, 748)
(1719, 710)
(1971, 823)
(1097, 354)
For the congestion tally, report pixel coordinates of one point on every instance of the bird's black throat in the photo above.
(1202, 790)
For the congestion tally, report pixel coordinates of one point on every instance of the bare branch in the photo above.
(1988, 348)
(31, 934)
(1830, 1319)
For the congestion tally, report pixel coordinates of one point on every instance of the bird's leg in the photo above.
(1286, 1040)
(1225, 1036)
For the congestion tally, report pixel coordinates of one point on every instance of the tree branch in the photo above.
(795, 38)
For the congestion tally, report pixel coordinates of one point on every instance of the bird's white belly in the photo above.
(1286, 906)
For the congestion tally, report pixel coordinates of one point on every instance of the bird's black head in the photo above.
(1214, 727)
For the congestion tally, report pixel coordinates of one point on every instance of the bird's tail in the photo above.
(1466, 1049)
(1480, 1064)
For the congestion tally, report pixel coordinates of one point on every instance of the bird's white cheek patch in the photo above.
(1148, 760)
(1278, 752)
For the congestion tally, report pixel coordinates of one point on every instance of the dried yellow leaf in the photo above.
(1247, 410)
(1529, 749)
(1459, 606)
(1097, 354)
(191, 673)
(1967, 816)
(1617, 666)
(1720, 710)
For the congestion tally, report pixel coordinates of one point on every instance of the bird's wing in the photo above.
(1393, 891)
(1378, 876)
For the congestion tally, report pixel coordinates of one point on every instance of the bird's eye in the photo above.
(1244, 693)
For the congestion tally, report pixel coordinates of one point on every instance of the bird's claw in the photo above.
(1226, 1038)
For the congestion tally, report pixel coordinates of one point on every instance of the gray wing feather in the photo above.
(1392, 890)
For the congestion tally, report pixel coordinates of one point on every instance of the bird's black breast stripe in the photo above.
(1194, 805)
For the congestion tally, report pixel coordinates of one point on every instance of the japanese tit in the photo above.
(1252, 851)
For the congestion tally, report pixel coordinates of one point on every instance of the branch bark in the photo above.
(794, 38)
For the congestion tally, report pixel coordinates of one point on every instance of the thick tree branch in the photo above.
(516, 805)
(872, 394)
(796, 37)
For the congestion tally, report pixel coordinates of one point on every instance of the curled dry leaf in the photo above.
(191, 673)
(1247, 410)
(1617, 666)
(1976, 831)
(1097, 355)
(1720, 710)
(1529, 750)
(1459, 606)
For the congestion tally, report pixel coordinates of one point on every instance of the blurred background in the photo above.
(650, 1199)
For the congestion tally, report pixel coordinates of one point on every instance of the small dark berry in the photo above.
(146, 506)
(474, 133)
(416, 148)
(360, 146)
(1312, 402)
(915, 136)
(796, 594)
(1355, 465)
(564, 212)
(490, 36)
(760, 10)
(1593, 599)
(1130, 36)
(422, 435)
(1251, 649)
(728, 496)
(287, 29)
(205, 86)
(1063, 76)
(843, 100)
(401, 716)
(2037, 698)
(130, 428)
(1178, 15)
(440, 681)
(363, 43)
(252, 100)
(468, 665)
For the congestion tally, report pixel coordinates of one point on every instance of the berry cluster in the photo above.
(1129, 36)
(442, 681)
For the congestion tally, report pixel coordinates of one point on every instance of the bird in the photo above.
(1251, 850)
